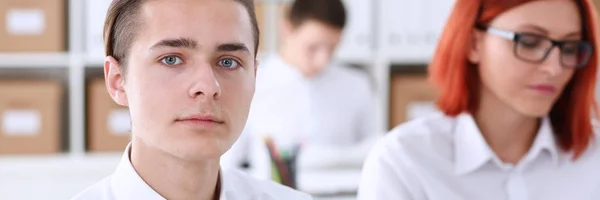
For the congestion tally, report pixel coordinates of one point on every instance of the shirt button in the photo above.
(516, 188)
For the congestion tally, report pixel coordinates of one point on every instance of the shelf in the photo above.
(81, 62)
(94, 61)
(409, 68)
(409, 60)
(34, 60)
(58, 162)
(355, 59)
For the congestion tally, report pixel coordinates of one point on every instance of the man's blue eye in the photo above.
(228, 63)
(171, 60)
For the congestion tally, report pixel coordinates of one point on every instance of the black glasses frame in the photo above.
(515, 37)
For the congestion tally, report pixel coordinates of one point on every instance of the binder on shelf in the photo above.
(33, 26)
(30, 117)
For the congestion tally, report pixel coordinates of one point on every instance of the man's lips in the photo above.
(201, 120)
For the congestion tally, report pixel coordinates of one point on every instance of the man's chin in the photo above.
(195, 151)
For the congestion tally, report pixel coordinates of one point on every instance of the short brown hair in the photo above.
(123, 22)
(330, 12)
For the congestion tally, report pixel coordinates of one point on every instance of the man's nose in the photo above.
(205, 82)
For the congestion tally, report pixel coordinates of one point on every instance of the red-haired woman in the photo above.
(516, 81)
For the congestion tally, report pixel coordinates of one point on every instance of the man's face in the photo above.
(190, 76)
(313, 44)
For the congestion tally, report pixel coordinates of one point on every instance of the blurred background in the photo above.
(60, 131)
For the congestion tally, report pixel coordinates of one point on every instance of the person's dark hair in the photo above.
(123, 22)
(330, 12)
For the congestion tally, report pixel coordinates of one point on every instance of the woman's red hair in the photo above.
(458, 83)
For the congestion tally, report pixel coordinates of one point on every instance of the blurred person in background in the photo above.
(517, 81)
(303, 98)
(188, 86)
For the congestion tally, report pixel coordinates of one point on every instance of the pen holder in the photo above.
(284, 171)
(291, 164)
(283, 164)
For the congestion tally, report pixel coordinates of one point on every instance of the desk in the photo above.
(330, 184)
(345, 197)
(63, 176)
(52, 177)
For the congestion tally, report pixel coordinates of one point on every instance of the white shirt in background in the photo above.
(444, 158)
(126, 184)
(330, 113)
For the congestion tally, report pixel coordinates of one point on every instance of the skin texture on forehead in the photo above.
(163, 21)
(547, 15)
(123, 24)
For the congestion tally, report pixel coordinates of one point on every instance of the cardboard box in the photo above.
(411, 96)
(30, 117)
(109, 124)
(95, 14)
(32, 25)
(260, 9)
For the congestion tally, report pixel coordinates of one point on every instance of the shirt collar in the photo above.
(544, 141)
(234, 189)
(472, 151)
(470, 148)
(126, 183)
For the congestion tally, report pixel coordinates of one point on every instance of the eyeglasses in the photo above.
(535, 48)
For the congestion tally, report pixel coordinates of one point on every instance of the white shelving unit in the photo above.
(368, 41)
(34, 60)
(371, 41)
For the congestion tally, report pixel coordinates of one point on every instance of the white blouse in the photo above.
(445, 158)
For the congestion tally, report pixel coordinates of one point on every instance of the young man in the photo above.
(186, 70)
(302, 98)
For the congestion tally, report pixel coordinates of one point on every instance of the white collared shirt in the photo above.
(445, 158)
(330, 113)
(126, 184)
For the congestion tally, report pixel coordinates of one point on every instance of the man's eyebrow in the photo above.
(176, 43)
(230, 47)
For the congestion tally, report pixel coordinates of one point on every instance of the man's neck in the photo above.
(172, 177)
(509, 133)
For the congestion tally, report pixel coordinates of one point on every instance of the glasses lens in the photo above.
(575, 54)
(532, 47)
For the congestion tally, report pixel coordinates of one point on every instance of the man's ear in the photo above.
(115, 81)
(475, 46)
